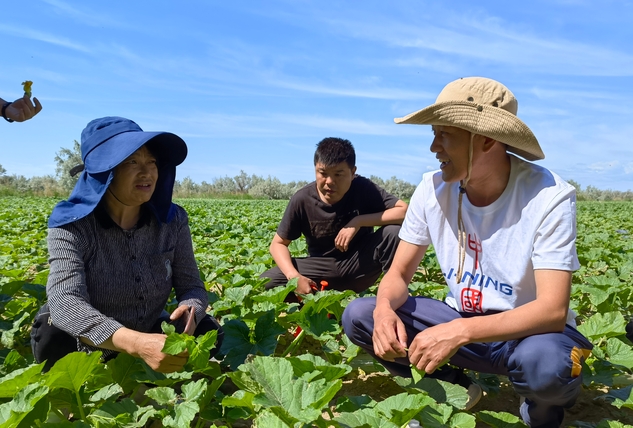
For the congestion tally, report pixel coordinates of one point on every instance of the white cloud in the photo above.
(489, 38)
(358, 92)
(28, 33)
(86, 17)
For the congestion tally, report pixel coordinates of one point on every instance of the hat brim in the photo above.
(492, 122)
(169, 148)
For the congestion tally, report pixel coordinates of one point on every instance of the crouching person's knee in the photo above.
(544, 373)
(358, 320)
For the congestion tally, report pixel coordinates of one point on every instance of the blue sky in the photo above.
(255, 85)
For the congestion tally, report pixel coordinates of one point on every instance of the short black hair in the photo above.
(332, 151)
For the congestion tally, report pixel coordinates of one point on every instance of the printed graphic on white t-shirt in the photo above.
(532, 225)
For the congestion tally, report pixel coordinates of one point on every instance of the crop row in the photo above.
(270, 377)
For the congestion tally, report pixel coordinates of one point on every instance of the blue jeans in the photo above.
(539, 366)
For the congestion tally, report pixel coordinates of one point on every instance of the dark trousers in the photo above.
(540, 367)
(356, 271)
(50, 343)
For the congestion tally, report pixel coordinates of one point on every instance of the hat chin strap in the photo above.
(119, 200)
(461, 228)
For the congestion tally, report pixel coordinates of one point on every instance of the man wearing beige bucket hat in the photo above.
(504, 233)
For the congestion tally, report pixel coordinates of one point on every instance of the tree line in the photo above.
(243, 185)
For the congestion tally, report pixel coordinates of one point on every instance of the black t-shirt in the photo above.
(319, 222)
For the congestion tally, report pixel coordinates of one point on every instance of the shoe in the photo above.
(474, 395)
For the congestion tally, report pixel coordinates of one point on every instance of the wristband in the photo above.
(4, 109)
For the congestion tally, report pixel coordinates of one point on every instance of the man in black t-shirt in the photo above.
(337, 214)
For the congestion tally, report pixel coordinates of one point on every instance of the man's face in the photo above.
(450, 145)
(333, 182)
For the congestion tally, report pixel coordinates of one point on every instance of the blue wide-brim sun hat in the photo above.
(105, 143)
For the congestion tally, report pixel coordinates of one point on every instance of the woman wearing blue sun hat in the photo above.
(118, 247)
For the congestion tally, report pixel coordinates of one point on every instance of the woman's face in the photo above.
(135, 178)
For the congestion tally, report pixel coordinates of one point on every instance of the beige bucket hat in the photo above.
(482, 106)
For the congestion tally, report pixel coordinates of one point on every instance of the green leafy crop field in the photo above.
(272, 375)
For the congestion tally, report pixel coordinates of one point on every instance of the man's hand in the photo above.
(149, 347)
(434, 346)
(345, 235)
(23, 109)
(390, 336)
(304, 285)
(190, 313)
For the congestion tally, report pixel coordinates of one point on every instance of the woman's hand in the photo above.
(149, 347)
(190, 313)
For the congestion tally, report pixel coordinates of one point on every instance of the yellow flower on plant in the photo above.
(27, 87)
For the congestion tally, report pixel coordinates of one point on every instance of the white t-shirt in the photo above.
(532, 225)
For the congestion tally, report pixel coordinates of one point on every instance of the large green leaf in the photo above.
(111, 391)
(276, 295)
(122, 413)
(238, 344)
(193, 391)
(603, 325)
(270, 420)
(126, 371)
(500, 419)
(619, 353)
(163, 395)
(17, 380)
(13, 412)
(462, 420)
(403, 407)
(240, 398)
(435, 416)
(395, 411)
(364, 418)
(319, 325)
(199, 354)
(317, 368)
(440, 391)
(73, 370)
(183, 415)
(286, 395)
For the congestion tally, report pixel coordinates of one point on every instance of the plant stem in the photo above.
(295, 343)
(81, 407)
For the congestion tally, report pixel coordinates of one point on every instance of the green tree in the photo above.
(270, 188)
(397, 187)
(65, 160)
(187, 187)
(245, 183)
